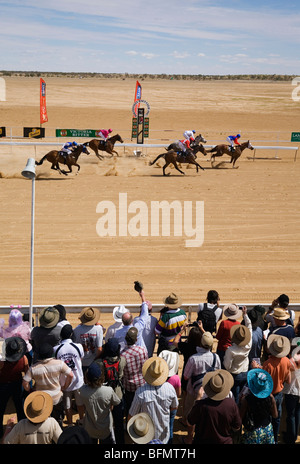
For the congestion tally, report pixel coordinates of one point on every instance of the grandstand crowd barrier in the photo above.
(190, 308)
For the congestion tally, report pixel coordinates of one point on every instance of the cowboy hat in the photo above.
(141, 428)
(217, 384)
(38, 406)
(260, 383)
(172, 301)
(118, 312)
(155, 371)
(49, 317)
(89, 316)
(240, 335)
(172, 359)
(15, 348)
(232, 311)
(278, 345)
(280, 314)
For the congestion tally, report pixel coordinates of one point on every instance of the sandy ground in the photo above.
(251, 242)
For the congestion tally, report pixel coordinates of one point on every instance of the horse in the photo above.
(105, 145)
(176, 145)
(223, 149)
(172, 157)
(55, 157)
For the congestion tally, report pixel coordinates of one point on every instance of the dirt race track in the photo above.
(251, 214)
(251, 242)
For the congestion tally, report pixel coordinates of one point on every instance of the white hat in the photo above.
(172, 359)
(118, 312)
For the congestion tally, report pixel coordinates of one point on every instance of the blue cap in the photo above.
(238, 135)
(94, 372)
(260, 383)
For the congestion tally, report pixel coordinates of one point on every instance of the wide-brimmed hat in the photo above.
(155, 371)
(172, 359)
(232, 311)
(89, 316)
(38, 406)
(240, 335)
(118, 312)
(278, 345)
(207, 340)
(141, 428)
(15, 348)
(280, 314)
(217, 384)
(260, 382)
(172, 301)
(49, 317)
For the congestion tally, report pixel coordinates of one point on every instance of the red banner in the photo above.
(43, 110)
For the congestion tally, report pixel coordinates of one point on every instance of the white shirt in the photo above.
(110, 333)
(149, 335)
(72, 355)
(91, 338)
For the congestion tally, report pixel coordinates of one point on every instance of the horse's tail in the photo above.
(211, 150)
(157, 158)
(38, 163)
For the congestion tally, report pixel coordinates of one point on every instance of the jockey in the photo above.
(68, 148)
(184, 145)
(189, 135)
(233, 139)
(103, 133)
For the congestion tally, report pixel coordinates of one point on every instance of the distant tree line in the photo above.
(123, 76)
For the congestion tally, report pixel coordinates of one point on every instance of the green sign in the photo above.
(295, 137)
(77, 133)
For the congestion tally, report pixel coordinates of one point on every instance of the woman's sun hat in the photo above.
(172, 359)
(260, 383)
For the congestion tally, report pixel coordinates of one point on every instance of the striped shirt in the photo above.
(135, 357)
(46, 375)
(157, 402)
(170, 323)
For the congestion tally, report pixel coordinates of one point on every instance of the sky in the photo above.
(151, 37)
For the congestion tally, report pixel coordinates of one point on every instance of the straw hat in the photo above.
(155, 371)
(38, 406)
(172, 359)
(278, 345)
(232, 311)
(240, 335)
(141, 428)
(172, 301)
(118, 312)
(89, 316)
(49, 317)
(280, 314)
(217, 384)
(260, 383)
(15, 348)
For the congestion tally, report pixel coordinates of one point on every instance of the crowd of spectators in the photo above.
(123, 383)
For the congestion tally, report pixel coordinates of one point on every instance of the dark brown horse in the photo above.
(223, 149)
(172, 157)
(105, 145)
(55, 157)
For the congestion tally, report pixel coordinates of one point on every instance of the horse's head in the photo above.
(199, 139)
(120, 139)
(249, 145)
(84, 148)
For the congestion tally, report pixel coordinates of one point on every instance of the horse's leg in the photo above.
(176, 167)
(164, 167)
(77, 165)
